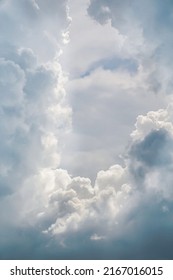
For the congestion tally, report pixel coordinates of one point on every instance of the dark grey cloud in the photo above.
(153, 151)
(151, 161)
(147, 234)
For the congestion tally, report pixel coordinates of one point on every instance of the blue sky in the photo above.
(86, 129)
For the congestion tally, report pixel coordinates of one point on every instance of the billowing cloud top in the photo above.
(65, 191)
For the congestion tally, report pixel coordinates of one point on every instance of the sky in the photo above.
(86, 129)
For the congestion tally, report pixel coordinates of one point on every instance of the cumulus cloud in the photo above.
(34, 113)
(119, 209)
(74, 217)
(124, 203)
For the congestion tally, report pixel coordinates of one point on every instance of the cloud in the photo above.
(120, 209)
(47, 213)
(150, 47)
(34, 114)
(119, 70)
(117, 218)
(101, 122)
(18, 20)
(151, 157)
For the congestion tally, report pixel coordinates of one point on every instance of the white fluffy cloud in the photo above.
(34, 113)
